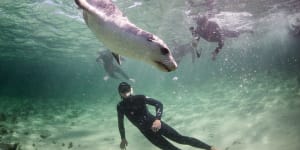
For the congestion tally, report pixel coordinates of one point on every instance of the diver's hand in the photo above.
(123, 144)
(156, 125)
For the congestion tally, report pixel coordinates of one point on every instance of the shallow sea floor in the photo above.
(240, 112)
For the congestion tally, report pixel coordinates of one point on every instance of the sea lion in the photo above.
(124, 38)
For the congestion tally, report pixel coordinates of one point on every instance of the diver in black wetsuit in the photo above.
(156, 131)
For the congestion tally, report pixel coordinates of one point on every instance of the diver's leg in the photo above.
(159, 140)
(173, 135)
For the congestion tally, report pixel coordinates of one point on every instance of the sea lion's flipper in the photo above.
(99, 8)
(117, 57)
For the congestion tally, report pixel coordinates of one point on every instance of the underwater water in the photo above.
(54, 95)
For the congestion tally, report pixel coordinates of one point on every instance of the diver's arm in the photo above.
(124, 142)
(216, 34)
(158, 106)
(121, 122)
(156, 125)
(220, 45)
(220, 38)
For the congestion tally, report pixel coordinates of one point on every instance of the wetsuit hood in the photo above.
(124, 87)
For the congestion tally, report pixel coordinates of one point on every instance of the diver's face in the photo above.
(125, 93)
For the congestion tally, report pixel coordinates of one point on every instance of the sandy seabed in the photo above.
(260, 112)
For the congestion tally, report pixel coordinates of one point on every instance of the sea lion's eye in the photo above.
(164, 51)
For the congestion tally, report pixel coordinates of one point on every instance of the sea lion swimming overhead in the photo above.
(124, 38)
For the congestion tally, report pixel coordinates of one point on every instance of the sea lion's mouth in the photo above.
(164, 67)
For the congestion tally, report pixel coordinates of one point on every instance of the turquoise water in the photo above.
(53, 94)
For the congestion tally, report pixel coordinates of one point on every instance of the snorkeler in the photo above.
(134, 107)
(212, 32)
(107, 60)
(180, 51)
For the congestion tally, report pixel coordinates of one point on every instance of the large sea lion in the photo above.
(124, 38)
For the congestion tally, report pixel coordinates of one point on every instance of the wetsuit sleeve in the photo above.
(158, 106)
(121, 121)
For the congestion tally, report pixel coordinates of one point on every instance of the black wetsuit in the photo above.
(135, 109)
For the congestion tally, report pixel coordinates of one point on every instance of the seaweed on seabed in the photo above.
(7, 146)
(2, 117)
(298, 80)
(3, 129)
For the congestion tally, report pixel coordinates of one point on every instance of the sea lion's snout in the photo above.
(166, 62)
(166, 68)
